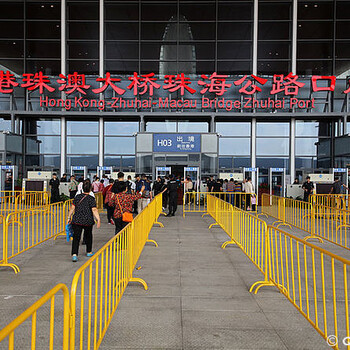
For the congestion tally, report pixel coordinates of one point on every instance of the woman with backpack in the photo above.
(82, 215)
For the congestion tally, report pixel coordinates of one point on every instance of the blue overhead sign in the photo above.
(78, 167)
(184, 143)
(277, 169)
(104, 168)
(250, 169)
(340, 170)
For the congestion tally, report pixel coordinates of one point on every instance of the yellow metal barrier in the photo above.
(332, 224)
(315, 281)
(27, 228)
(244, 229)
(340, 201)
(196, 202)
(99, 284)
(29, 200)
(57, 336)
(320, 221)
(99, 200)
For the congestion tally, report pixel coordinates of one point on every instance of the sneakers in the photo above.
(89, 254)
(112, 222)
(74, 258)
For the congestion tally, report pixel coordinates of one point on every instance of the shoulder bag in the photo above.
(126, 217)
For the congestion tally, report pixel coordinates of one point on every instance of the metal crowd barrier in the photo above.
(244, 229)
(314, 280)
(340, 201)
(99, 201)
(320, 221)
(22, 201)
(25, 229)
(96, 290)
(57, 336)
(196, 202)
(99, 284)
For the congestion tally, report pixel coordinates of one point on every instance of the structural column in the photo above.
(63, 71)
(294, 70)
(255, 72)
(292, 150)
(101, 73)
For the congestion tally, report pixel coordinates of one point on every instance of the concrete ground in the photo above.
(199, 298)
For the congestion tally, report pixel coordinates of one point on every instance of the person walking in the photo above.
(96, 185)
(73, 187)
(55, 185)
(249, 190)
(146, 193)
(107, 192)
(122, 202)
(157, 186)
(230, 188)
(210, 184)
(81, 215)
(171, 190)
(308, 187)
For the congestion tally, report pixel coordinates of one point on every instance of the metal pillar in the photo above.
(63, 71)
(292, 150)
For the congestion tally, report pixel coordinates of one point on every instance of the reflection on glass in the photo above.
(144, 162)
(82, 127)
(305, 162)
(49, 144)
(306, 128)
(305, 146)
(266, 163)
(5, 125)
(185, 126)
(82, 145)
(272, 129)
(119, 145)
(238, 146)
(90, 161)
(233, 129)
(208, 163)
(113, 161)
(166, 126)
(44, 127)
(272, 147)
(121, 128)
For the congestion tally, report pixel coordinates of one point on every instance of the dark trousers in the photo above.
(135, 211)
(172, 202)
(72, 194)
(165, 200)
(119, 224)
(77, 231)
(110, 211)
(55, 196)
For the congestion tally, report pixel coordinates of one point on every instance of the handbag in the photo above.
(126, 217)
(69, 232)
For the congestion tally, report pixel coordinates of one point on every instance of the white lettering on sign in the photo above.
(164, 143)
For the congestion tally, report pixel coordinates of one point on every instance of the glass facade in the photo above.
(171, 37)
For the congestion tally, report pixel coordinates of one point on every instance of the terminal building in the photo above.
(214, 85)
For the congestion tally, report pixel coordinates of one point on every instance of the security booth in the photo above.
(277, 181)
(254, 174)
(193, 174)
(342, 173)
(8, 174)
(79, 171)
(104, 170)
(163, 171)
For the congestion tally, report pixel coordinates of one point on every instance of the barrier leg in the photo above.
(152, 241)
(263, 214)
(260, 284)
(158, 223)
(277, 221)
(139, 280)
(284, 224)
(313, 237)
(214, 224)
(224, 245)
(14, 267)
(205, 214)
